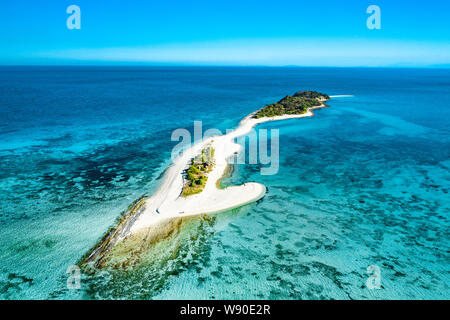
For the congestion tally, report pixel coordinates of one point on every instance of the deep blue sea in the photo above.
(363, 183)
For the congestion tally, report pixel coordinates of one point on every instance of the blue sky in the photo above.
(226, 32)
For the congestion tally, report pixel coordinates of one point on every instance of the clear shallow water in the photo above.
(364, 182)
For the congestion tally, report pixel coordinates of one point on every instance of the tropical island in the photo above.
(299, 103)
(191, 187)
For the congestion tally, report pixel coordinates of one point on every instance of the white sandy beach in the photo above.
(168, 203)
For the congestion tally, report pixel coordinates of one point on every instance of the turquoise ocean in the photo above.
(363, 183)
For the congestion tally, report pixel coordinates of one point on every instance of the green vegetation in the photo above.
(312, 95)
(299, 103)
(196, 174)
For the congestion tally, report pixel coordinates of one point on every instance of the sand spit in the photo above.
(157, 217)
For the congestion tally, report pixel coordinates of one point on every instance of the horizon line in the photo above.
(443, 66)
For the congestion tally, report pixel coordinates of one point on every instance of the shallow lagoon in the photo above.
(362, 183)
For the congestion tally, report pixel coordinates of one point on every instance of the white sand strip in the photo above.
(167, 202)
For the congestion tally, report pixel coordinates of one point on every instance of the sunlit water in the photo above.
(365, 182)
